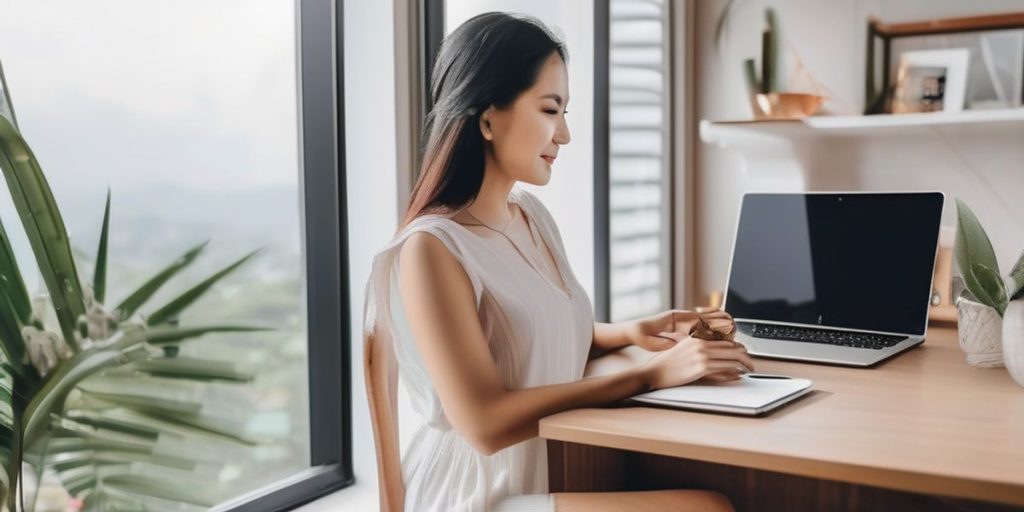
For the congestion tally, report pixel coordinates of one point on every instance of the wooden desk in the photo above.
(922, 431)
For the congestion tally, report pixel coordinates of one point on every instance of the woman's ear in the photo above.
(485, 123)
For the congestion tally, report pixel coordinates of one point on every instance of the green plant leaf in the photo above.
(44, 226)
(176, 306)
(99, 276)
(10, 447)
(68, 374)
(206, 445)
(750, 74)
(723, 19)
(1017, 275)
(128, 306)
(993, 287)
(769, 54)
(6, 105)
(192, 368)
(10, 279)
(105, 424)
(12, 345)
(175, 401)
(160, 336)
(973, 250)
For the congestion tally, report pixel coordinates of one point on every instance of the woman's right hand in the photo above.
(692, 359)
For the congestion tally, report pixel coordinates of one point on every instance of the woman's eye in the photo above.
(550, 111)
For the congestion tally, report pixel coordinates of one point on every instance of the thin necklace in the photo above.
(484, 224)
(565, 286)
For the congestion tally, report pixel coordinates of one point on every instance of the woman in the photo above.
(489, 325)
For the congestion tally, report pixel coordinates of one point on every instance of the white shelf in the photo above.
(723, 132)
(781, 154)
(856, 123)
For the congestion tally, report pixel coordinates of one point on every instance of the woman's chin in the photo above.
(539, 181)
(541, 177)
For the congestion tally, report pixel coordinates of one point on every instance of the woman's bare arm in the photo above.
(608, 337)
(441, 308)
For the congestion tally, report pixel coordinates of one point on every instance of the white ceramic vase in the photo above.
(980, 330)
(1013, 340)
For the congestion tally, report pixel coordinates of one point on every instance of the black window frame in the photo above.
(320, 68)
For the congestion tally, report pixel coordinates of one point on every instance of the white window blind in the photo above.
(638, 170)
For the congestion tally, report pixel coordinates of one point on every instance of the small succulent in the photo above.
(976, 259)
(768, 81)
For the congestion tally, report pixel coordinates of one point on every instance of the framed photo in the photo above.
(931, 81)
(994, 70)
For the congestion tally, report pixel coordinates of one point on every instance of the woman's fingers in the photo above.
(730, 356)
(718, 313)
(721, 344)
(724, 376)
(728, 365)
(659, 342)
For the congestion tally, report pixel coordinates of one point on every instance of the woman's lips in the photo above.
(549, 159)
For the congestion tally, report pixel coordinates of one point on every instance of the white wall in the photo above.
(979, 164)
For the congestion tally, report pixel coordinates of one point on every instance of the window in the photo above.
(638, 159)
(194, 118)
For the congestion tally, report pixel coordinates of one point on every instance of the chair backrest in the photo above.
(381, 372)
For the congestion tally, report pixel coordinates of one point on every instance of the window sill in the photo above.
(359, 496)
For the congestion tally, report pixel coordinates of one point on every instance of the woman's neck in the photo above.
(491, 203)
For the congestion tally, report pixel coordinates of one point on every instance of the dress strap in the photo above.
(384, 317)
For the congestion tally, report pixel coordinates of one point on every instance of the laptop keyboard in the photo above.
(826, 336)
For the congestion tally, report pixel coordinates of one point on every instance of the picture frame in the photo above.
(995, 68)
(931, 81)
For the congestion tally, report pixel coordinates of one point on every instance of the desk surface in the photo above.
(923, 422)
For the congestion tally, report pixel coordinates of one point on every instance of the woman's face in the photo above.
(525, 136)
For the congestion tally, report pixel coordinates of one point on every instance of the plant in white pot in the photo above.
(991, 309)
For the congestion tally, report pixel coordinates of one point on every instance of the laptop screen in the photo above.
(856, 261)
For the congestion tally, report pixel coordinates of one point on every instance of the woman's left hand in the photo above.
(652, 332)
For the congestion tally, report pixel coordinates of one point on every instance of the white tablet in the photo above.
(753, 394)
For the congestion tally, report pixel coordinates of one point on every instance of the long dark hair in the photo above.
(489, 60)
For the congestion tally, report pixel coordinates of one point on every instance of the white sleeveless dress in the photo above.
(537, 334)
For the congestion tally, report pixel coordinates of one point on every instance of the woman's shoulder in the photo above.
(535, 207)
(435, 256)
(526, 198)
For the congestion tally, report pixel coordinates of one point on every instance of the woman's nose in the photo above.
(562, 135)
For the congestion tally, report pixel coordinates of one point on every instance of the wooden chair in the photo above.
(381, 373)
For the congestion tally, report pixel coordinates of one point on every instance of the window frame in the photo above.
(320, 70)
(602, 162)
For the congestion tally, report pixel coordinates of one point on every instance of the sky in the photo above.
(185, 109)
(131, 92)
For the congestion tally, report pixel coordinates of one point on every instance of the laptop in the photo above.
(839, 278)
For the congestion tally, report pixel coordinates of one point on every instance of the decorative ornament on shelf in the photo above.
(990, 308)
(766, 100)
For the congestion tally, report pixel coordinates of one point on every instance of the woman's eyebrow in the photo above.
(554, 96)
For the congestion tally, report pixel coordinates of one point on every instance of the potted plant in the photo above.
(990, 309)
(59, 350)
